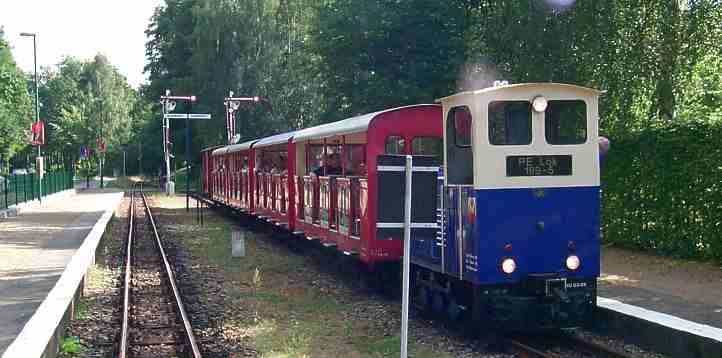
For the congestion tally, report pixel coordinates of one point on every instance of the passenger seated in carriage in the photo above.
(278, 166)
(358, 169)
(331, 166)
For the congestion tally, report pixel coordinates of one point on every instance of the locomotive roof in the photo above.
(523, 85)
(234, 148)
(345, 126)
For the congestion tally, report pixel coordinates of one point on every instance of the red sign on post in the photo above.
(38, 133)
(101, 145)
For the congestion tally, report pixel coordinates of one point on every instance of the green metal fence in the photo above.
(16, 189)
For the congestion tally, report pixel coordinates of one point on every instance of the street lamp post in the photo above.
(37, 104)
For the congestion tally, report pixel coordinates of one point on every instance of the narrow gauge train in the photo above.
(514, 242)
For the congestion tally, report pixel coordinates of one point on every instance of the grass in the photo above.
(71, 345)
(81, 310)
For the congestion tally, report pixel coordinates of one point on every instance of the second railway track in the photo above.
(155, 322)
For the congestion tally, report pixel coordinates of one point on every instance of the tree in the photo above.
(255, 48)
(382, 53)
(640, 53)
(16, 111)
(86, 100)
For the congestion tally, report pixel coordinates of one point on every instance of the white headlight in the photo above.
(573, 262)
(508, 266)
(539, 103)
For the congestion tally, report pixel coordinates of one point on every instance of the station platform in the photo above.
(37, 245)
(663, 300)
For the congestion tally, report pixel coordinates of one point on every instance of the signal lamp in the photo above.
(573, 262)
(508, 266)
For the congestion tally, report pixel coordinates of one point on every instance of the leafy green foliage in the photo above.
(254, 48)
(71, 346)
(381, 54)
(662, 191)
(642, 54)
(701, 95)
(16, 111)
(87, 100)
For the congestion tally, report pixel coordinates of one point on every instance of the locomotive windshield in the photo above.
(510, 122)
(566, 122)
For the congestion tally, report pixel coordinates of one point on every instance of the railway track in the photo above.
(155, 322)
(561, 345)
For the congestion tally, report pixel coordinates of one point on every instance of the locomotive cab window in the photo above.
(566, 122)
(510, 123)
(459, 164)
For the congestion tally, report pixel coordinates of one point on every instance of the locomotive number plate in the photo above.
(538, 165)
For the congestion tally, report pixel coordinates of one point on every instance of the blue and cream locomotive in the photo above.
(519, 202)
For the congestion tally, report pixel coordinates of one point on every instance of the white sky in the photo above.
(80, 28)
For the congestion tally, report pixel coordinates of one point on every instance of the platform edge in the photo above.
(661, 332)
(41, 335)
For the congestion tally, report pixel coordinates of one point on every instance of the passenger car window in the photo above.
(461, 118)
(510, 123)
(395, 145)
(566, 122)
(427, 146)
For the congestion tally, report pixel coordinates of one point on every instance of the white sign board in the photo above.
(176, 115)
(187, 116)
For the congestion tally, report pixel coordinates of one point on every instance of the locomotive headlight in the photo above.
(508, 266)
(573, 262)
(539, 103)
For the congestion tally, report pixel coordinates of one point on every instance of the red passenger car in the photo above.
(321, 182)
(229, 176)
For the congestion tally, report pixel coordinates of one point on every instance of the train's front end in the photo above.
(521, 202)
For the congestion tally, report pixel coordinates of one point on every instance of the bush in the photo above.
(662, 191)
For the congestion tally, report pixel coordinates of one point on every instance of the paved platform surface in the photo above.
(688, 290)
(36, 246)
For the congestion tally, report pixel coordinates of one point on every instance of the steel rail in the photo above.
(598, 348)
(535, 352)
(123, 346)
(569, 342)
(171, 279)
